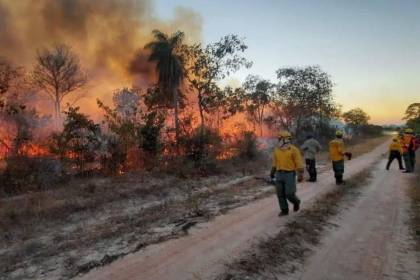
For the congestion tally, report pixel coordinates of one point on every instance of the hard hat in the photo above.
(284, 134)
(408, 130)
(338, 133)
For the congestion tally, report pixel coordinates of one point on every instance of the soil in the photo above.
(203, 253)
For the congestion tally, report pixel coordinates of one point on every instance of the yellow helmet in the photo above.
(396, 139)
(408, 131)
(338, 133)
(284, 134)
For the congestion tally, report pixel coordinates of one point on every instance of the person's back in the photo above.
(310, 148)
(395, 152)
(395, 146)
(336, 148)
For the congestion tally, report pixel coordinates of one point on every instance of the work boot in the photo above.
(284, 213)
(296, 206)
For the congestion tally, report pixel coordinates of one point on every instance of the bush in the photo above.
(247, 145)
(79, 141)
(149, 136)
(24, 174)
(201, 147)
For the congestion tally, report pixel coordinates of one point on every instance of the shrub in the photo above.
(247, 145)
(79, 141)
(24, 174)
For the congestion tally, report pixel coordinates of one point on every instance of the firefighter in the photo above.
(337, 154)
(409, 150)
(395, 152)
(310, 148)
(287, 163)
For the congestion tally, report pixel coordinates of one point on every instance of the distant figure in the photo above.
(337, 154)
(310, 148)
(287, 161)
(395, 152)
(409, 150)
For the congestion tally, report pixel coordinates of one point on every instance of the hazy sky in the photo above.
(371, 49)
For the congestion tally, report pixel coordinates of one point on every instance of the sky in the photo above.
(371, 49)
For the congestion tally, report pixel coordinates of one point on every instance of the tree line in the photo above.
(180, 116)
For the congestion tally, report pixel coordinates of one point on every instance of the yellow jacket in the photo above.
(337, 150)
(288, 159)
(395, 146)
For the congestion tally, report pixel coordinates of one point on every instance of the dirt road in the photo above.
(201, 254)
(372, 240)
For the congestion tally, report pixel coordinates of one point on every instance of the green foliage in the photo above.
(258, 95)
(356, 119)
(80, 139)
(304, 95)
(412, 116)
(206, 65)
(149, 133)
(165, 51)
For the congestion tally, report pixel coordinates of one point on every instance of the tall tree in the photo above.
(258, 95)
(412, 116)
(206, 65)
(58, 73)
(165, 51)
(356, 118)
(303, 97)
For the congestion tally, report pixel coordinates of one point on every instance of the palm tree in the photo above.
(169, 66)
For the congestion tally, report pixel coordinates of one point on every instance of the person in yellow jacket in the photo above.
(287, 163)
(395, 152)
(337, 153)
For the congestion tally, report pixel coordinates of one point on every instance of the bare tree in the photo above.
(58, 73)
(7, 74)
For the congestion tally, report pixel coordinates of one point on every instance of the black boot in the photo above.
(284, 212)
(296, 206)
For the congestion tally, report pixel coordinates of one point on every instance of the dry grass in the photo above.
(284, 252)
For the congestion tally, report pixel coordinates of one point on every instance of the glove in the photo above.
(348, 155)
(300, 176)
(272, 172)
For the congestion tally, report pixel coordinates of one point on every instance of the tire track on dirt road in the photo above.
(202, 254)
(371, 241)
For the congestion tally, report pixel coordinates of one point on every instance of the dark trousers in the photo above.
(408, 161)
(311, 168)
(394, 155)
(338, 167)
(286, 189)
(413, 159)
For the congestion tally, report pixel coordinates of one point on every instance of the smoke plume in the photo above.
(105, 34)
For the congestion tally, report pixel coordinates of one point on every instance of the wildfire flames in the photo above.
(108, 37)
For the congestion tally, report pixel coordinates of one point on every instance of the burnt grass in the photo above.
(72, 250)
(285, 252)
